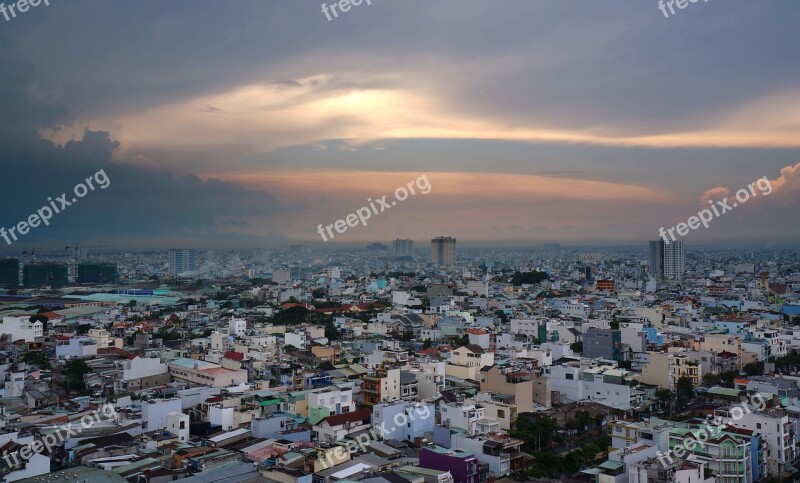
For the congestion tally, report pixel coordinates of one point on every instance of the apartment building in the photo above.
(202, 373)
(403, 420)
(430, 379)
(778, 432)
(140, 373)
(21, 328)
(467, 361)
(720, 343)
(382, 385)
(461, 464)
(733, 455)
(501, 453)
(665, 368)
(517, 384)
(328, 401)
(460, 416)
(503, 412)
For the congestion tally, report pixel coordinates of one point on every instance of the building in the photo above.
(40, 274)
(9, 273)
(653, 471)
(402, 248)
(21, 328)
(181, 261)
(664, 370)
(667, 260)
(377, 247)
(607, 285)
(97, 273)
(443, 251)
(602, 343)
(403, 421)
(202, 373)
(330, 401)
(517, 384)
(461, 464)
(381, 386)
(778, 432)
(502, 453)
(467, 361)
(140, 373)
(76, 347)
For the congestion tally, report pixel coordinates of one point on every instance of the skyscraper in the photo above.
(667, 260)
(443, 251)
(403, 248)
(182, 261)
(97, 273)
(9, 273)
(40, 274)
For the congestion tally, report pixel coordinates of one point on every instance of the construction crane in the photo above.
(32, 253)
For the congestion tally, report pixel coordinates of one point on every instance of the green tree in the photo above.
(576, 347)
(37, 358)
(684, 389)
(427, 344)
(754, 369)
(331, 332)
(710, 379)
(74, 371)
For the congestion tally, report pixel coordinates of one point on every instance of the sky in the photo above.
(260, 122)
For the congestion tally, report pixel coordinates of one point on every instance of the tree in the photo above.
(331, 332)
(576, 347)
(427, 344)
(37, 358)
(74, 371)
(754, 369)
(529, 278)
(684, 389)
(664, 395)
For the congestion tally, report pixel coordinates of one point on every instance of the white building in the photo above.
(21, 328)
(155, 412)
(76, 347)
(237, 326)
(461, 416)
(778, 431)
(529, 327)
(178, 424)
(297, 339)
(336, 399)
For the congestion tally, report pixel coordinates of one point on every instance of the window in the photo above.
(570, 377)
(501, 414)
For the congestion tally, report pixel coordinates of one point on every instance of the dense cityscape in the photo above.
(399, 241)
(400, 362)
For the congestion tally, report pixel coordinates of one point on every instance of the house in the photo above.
(467, 361)
(335, 428)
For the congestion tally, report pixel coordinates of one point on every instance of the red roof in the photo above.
(236, 356)
(339, 419)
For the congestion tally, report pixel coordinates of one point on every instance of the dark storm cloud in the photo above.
(139, 205)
